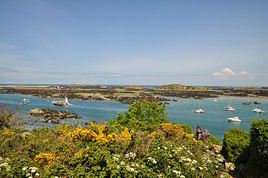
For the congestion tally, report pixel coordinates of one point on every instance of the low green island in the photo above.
(140, 142)
(132, 93)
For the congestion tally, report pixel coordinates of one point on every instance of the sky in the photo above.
(141, 42)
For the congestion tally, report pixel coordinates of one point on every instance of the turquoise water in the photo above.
(214, 119)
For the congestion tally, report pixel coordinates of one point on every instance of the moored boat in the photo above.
(25, 101)
(257, 110)
(199, 110)
(234, 119)
(229, 108)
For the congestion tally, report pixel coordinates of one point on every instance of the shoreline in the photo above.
(130, 94)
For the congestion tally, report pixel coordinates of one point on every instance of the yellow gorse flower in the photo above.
(97, 132)
(172, 129)
(45, 158)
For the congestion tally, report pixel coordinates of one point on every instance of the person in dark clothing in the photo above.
(198, 132)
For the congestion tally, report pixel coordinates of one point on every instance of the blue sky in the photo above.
(134, 42)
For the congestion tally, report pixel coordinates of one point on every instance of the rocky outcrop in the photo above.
(52, 116)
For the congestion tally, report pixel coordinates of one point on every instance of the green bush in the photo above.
(142, 115)
(214, 140)
(259, 144)
(7, 117)
(187, 128)
(235, 145)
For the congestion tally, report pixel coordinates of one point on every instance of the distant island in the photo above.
(129, 94)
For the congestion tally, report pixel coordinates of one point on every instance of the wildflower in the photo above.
(182, 176)
(25, 168)
(160, 175)
(115, 158)
(176, 172)
(152, 160)
(158, 148)
(194, 161)
(193, 169)
(188, 159)
(200, 168)
(130, 155)
(56, 177)
(37, 174)
(130, 169)
(4, 164)
(117, 167)
(122, 163)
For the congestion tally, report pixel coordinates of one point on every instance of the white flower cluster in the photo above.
(30, 172)
(131, 169)
(152, 160)
(4, 164)
(130, 155)
(178, 174)
(116, 157)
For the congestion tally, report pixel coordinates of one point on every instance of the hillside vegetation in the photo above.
(138, 143)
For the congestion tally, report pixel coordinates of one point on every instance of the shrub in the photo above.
(7, 117)
(172, 130)
(142, 115)
(235, 145)
(259, 144)
(214, 140)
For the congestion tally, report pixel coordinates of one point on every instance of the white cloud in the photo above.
(228, 72)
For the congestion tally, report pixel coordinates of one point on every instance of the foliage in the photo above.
(214, 140)
(7, 117)
(235, 145)
(142, 115)
(259, 144)
(139, 143)
(69, 151)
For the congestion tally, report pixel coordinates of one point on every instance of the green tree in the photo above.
(142, 115)
(259, 144)
(235, 145)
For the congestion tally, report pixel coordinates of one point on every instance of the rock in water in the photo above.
(53, 116)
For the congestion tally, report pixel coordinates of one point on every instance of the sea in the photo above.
(180, 111)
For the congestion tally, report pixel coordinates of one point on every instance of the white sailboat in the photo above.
(61, 102)
(234, 119)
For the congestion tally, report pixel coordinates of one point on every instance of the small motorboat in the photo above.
(258, 110)
(199, 111)
(229, 108)
(25, 101)
(234, 119)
